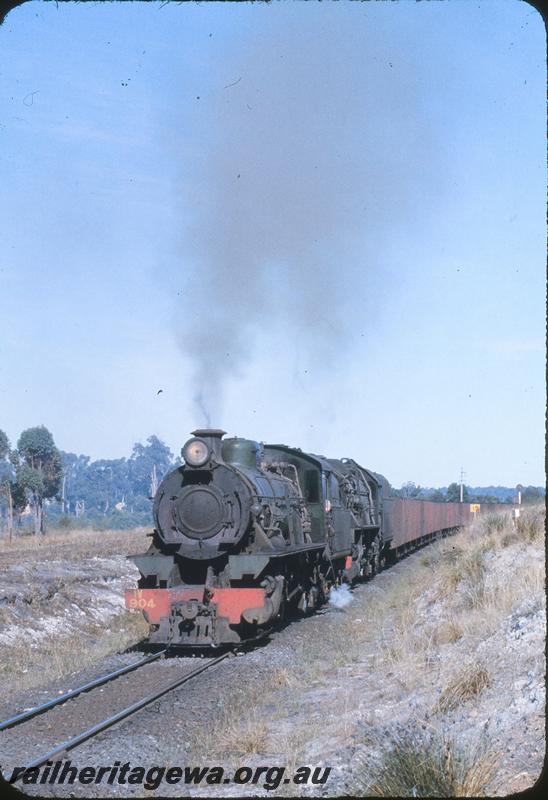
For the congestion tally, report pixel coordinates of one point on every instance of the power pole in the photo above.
(461, 484)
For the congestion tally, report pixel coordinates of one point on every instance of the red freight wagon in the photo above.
(407, 520)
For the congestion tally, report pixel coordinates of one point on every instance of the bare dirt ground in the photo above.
(62, 604)
(431, 682)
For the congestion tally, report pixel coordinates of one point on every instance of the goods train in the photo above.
(245, 532)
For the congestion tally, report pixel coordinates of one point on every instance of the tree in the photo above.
(39, 471)
(106, 483)
(148, 465)
(75, 484)
(6, 479)
(483, 498)
(4, 445)
(410, 489)
(532, 494)
(453, 493)
(436, 496)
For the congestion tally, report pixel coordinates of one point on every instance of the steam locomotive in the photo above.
(246, 532)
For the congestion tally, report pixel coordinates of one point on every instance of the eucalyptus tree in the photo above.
(39, 470)
(6, 479)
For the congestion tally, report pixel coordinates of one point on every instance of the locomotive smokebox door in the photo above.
(200, 511)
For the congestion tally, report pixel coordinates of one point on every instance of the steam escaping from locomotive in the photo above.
(300, 167)
(340, 596)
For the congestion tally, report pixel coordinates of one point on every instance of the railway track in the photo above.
(71, 737)
(11, 722)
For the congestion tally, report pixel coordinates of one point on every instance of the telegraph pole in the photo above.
(461, 485)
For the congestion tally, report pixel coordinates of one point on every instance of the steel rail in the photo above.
(125, 712)
(33, 712)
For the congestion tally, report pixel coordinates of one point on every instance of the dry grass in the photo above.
(284, 677)
(244, 736)
(408, 638)
(450, 552)
(27, 667)
(449, 631)
(509, 538)
(78, 543)
(464, 686)
(531, 524)
(242, 728)
(527, 584)
(290, 752)
(419, 763)
(500, 597)
(467, 567)
(493, 523)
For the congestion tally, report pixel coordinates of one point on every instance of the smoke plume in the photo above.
(302, 168)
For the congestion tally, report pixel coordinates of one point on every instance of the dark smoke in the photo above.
(201, 406)
(307, 133)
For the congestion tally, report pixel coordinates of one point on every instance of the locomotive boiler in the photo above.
(244, 532)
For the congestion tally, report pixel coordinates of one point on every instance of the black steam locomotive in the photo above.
(244, 532)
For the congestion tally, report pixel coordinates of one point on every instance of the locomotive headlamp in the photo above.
(195, 452)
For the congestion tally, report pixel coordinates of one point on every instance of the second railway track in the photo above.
(33, 737)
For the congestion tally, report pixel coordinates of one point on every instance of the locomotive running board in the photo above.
(253, 564)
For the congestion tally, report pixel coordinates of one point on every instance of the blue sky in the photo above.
(323, 223)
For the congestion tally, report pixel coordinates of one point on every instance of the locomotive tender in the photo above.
(246, 531)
